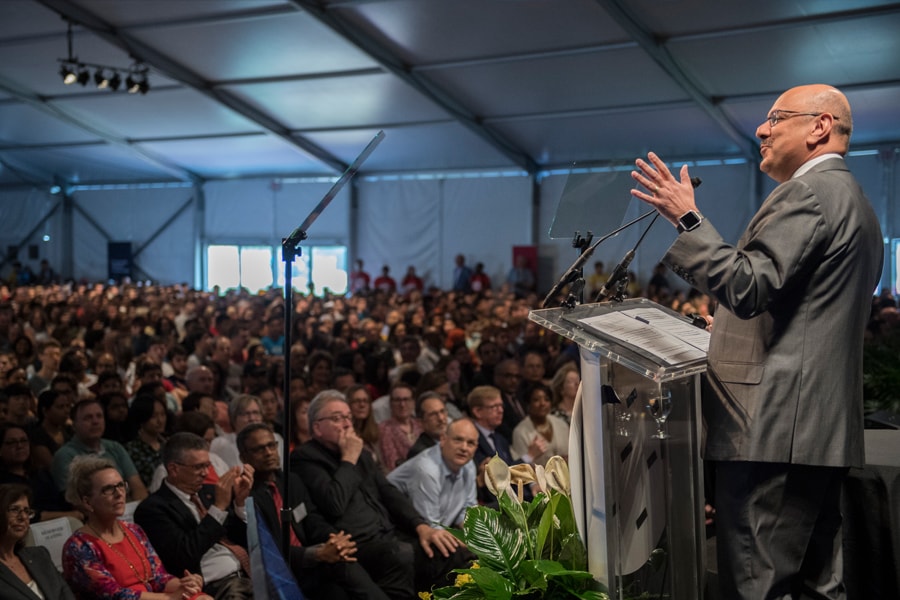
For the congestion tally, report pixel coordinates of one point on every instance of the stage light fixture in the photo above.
(105, 77)
(67, 72)
(101, 79)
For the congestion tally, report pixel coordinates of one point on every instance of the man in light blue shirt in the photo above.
(440, 481)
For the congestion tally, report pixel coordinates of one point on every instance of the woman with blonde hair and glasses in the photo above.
(109, 558)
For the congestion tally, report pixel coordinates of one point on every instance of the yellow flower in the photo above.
(475, 564)
(462, 579)
(425, 595)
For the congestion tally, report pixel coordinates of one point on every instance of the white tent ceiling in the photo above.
(247, 88)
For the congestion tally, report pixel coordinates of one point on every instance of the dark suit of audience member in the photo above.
(352, 493)
(320, 556)
(42, 570)
(507, 377)
(183, 534)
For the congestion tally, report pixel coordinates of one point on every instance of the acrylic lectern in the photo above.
(634, 450)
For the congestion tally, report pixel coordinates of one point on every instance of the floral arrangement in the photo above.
(527, 550)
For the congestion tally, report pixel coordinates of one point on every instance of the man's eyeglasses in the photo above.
(492, 406)
(336, 419)
(19, 442)
(271, 446)
(783, 115)
(198, 468)
(17, 511)
(113, 489)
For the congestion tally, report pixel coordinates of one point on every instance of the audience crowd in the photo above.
(173, 400)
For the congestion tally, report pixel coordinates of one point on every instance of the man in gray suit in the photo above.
(783, 404)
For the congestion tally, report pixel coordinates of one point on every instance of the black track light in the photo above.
(72, 70)
(101, 79)
(67, 72)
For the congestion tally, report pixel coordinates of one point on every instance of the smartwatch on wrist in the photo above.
(689, 221)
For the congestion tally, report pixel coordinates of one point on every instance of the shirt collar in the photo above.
(805, 167)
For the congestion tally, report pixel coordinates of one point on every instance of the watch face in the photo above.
(689, 220)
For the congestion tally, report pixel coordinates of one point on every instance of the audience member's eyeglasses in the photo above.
(17, 511)
(493, 406)
(16, 442)
(336, 419)
(271, 446)
(114, 488)
(198, 468)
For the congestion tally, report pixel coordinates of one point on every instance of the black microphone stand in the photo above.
(290, 249)
(619, 277)
(574, 273)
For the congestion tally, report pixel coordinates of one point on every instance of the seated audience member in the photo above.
(399, 433)
(110, 558)
(394, 543)
(201, 425)
(319, 365)
(74, 362)
(242, 411)
(195, 526)
(52, 429)
(26, 572)
(440, 480)
(533, 367)
(432, 412)
(342, 378)
(507, 377)
(268, 405)
(321, 558)
(147, 418)
(49, 353)
(16, 467)
(108, 383)
(565, 388)
(540, 423)
(300, 430)
(88, 425)
(364, 421)
(486, 405)
(115, 416)
(20, 404)
(437, 381)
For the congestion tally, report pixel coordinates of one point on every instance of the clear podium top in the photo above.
(647, 338)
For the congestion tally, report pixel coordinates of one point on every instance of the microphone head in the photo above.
(696, 181)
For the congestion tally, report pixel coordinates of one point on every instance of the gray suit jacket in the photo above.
(39, 564)
(785, 358)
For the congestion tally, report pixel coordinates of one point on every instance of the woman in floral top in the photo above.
(108, 558)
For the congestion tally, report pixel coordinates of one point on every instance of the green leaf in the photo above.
(572, 553)
(497, 543)
(531, 576)
(545, 529)
(493, 584)
(513, 510)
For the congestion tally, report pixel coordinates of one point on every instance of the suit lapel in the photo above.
(13, 586)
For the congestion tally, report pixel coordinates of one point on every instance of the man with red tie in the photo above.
(321, 558)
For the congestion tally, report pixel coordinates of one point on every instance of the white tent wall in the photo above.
(161, 252)
(24, 211)
(401, 221)
(427, 222)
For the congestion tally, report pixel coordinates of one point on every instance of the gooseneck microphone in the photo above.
(620, 273)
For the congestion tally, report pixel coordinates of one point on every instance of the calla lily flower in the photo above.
(557, 474)
(497, 477)
(521, 475)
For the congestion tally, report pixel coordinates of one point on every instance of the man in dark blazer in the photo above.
(399, 550)
(486, 407)
(205, 539)
(321, 557)
(783, 404)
